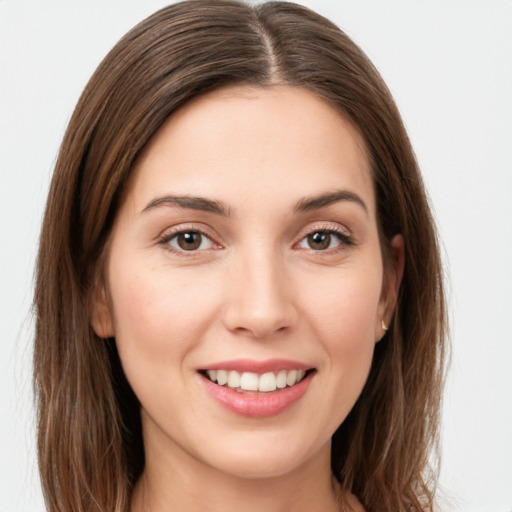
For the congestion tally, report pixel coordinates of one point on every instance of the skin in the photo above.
(255, 288)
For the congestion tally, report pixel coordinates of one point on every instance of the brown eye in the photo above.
(319, 241)
(325, 239)
(190, 241)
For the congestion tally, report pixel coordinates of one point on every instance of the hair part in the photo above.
(89, 433)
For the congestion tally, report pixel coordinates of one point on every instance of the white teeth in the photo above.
(281, 379)
(267, 382)
(233, 379)
(291, 378)
(222, 377)
(250, 381)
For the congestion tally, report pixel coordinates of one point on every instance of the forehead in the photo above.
(266, 144)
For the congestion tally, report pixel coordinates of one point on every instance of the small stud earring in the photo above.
(384, 326)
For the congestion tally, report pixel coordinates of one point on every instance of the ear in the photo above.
(393, 273)
(101, 315)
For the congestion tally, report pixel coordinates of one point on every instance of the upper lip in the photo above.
(256, 366)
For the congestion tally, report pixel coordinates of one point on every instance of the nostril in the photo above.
(259, 310)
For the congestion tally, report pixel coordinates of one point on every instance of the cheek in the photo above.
(343, 314)
(157, 324)
(344, 309)
(156, 303)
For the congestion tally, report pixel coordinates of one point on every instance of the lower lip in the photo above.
(258, 405)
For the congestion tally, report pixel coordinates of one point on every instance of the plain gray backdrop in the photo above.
(449, 66)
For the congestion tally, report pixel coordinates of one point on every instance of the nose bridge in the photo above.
(260, 302)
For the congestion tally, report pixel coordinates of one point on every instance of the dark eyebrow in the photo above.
(322, 200)
(190, 202)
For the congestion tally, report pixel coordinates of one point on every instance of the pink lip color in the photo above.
(258, 405)
(250, 365)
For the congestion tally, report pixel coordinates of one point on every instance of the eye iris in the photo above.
(319, 240)
(189, 241)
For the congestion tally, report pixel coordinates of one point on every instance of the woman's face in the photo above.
(246, 250)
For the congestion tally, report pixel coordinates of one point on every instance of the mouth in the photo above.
(257, 389)
(256, 383)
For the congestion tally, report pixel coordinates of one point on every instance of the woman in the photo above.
(239, 295)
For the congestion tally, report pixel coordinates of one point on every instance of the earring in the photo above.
(384, 326)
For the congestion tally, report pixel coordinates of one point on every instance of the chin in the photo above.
(264, 460)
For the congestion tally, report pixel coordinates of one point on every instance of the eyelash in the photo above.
(166, 238)
(344, 239)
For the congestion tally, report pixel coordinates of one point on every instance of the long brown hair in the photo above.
(89, 433)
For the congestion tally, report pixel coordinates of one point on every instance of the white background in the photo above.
(449, 65)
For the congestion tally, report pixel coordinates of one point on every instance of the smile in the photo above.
(257, 389)
(249, 381)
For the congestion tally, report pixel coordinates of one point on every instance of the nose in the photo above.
(260, 299)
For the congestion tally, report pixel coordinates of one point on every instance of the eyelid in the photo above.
(168, 234)
(345, 235)
(324, 226)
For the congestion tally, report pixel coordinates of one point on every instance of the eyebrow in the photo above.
(217, 207)
(190, 202)
(322, 200)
